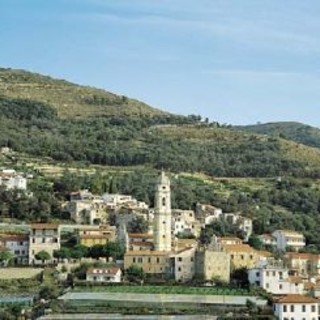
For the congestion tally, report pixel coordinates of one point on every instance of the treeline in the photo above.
(33, 128)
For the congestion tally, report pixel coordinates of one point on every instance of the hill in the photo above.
(68, 99)
(45, 117)
(295, 131)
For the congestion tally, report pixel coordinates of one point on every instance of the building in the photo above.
(18, 245)
(305, 264)
(295, 307)
(273, 277)
(184, 222)
(152, 262)
(213, 265)
(43, 237)
(289, 239)
(106, 275)
(268, 240)
(207, 214)
(243, 223)
(11, 180)
(162, 219)
(97, 235)
(140, 241)
(182, 264)
(115, 201)
(241, 256)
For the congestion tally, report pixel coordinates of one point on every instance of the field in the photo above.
(18, 273)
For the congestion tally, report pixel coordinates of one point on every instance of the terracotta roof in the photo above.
(141, 243)
(295, 298)
(14, 237)
(93, 236)
(308, 285)
(264, 253)
(230, 238)
(112, 271)
(302, 256)
(44, 226)
(295, 279)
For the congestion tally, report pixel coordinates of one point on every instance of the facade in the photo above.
(18, 245)
(206, 214)
(152, 262)
(274, 278)
(140, 241)
(243, 223)
(182, 264)
(213, 265)
(241, 256)
(162, 218)
(43, 237)
(305, 264)
(105, 275)
(268, 239)
(97, 235)
(295, 307)
(289, 238)
(184, 222)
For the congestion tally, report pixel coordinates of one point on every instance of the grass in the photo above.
(167, 290)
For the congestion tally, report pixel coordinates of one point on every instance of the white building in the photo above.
(295, 307)
(11, 180)
(289, 238)
(43, 237)
(274, 278)
(207, 213)
(18, 245)
(184, 221)
(268, 239)
(243, 223)
(104, 275)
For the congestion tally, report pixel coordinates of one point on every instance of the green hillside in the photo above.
(295, 131)
(70, 100)
(53, 118)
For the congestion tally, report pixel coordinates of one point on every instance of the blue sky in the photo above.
(234, 61)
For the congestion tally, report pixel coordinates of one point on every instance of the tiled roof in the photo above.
(302, 256)
(140, 235)
(147, 253)
(14, 237)
(238, 248)
(295, 298)
(112, 271)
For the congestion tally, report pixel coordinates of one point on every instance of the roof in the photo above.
(147, 253)
(141, 243)
(290, 233)
(140, 235)
(44, 226)
(93, 236)
(264, 253)
(230, 238)
(14, 237)
(295, 298)
(238, 248)
(112, 271)
(303, 256)
(295, 279)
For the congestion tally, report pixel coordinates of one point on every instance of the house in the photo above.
(207, 214)
(18, 245)
(267, 239)
(104, 275)
(273, 277)
(241, 256)
(213, 265)
(218, 242)
(152, 262)
(140, 241)
(243, 223)
(305, 264)
(90, 236)
(295, 307)
(182, 264)
(84, 194)
(11, 180)
(289, 239)
(184, 222)
(43, 237)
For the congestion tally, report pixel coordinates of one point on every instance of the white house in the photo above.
(289, 238)
(104, 275)
(295, 307)
(274, 278)
(184, 221)
(11, 180)
(18, 245)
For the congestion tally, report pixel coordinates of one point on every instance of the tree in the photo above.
(5, 257)
(138, 225)
(135, 273)
(255, 242)
(43, 256)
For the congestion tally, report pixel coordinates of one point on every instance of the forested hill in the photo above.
(53, 118)
(295, 131)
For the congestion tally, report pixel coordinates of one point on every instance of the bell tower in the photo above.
(162, 217)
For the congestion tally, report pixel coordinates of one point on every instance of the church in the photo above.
(169, 257)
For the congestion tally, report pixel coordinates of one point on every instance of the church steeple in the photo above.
(162, 219)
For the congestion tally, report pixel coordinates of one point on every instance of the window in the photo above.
(21, 243)
(158, 260)
(280, 275)
(180, 259)
(284, 308)
(164, 201)
(43, 240)
(267, 273)
(191, 259)
(292, 308)
(313, 308)
(242, 257)
(232, 256)
(179, 269)
(303, 307)
(17, 252)
(274, 273)
(257, 274)
(140, 260)
(149, 260)
(280, 286)
(134, 260)
(267, 285)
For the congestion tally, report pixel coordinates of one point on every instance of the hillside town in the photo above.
(163, 245)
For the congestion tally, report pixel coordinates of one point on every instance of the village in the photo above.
(138, 244)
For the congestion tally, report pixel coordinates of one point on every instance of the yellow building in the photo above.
(241, 256)
(96, 235)
(152, 262)
(213, 265)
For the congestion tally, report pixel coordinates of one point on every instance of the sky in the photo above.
(233, 61)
